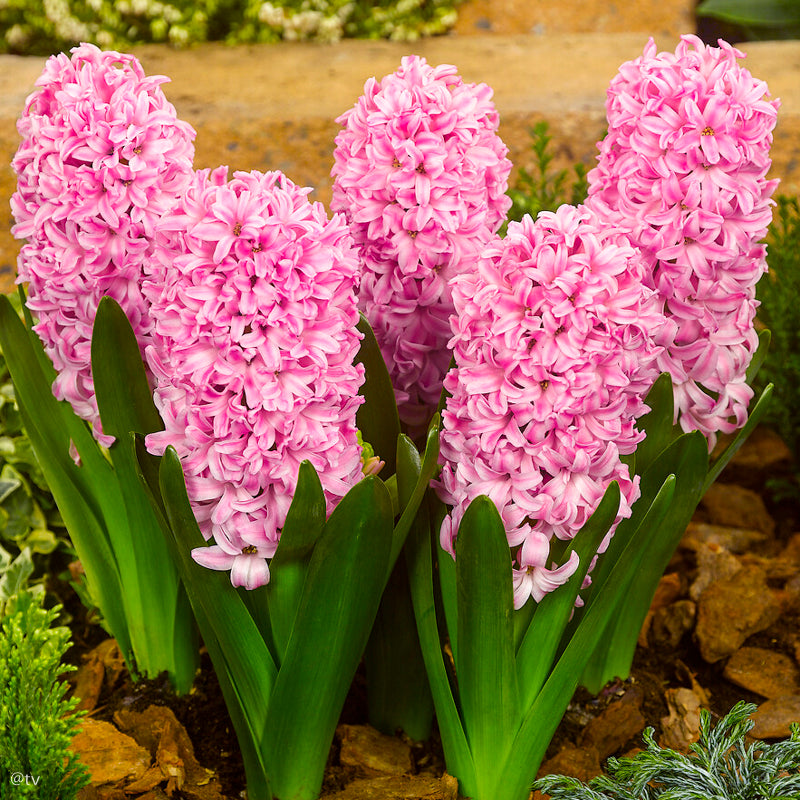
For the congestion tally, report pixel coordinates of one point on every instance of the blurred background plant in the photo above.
(754, 19)
(49, 26)
(29, 518)
(544, 188)
(779, 293)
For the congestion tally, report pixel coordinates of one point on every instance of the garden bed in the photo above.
(731, 593)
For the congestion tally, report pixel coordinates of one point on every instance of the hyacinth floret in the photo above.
(255, 314)
(683, 171)
(102, 156)
(553, 355)
(421, 175)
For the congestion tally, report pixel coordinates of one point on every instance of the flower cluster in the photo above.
(102, 157)
(254, 309)
(553, 351)
(683, 171)
(420, 173)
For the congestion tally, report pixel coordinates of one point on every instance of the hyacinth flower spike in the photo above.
(682, 172)
(420, 174)
(103, 155)
(552, 460)
(285, 545)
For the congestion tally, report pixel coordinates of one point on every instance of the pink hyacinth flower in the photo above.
(553, 355)
(421, 175)
(683, 172)
(254, 308)
(103, 154)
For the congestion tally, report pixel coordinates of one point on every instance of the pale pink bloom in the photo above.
(552, 339)
(102, 157)
(421, 175)
(683, 172)
(254, 308)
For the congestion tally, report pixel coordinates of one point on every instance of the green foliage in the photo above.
(545, 189)
(720, 766)
(759, 19)
(779, 293)
(28, 514)
(49, 26)
(331, 20)
(36, 722)
(14, 576)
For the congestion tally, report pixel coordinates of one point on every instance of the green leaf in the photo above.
(413, 478)
(538, 648)
(764, 13)
(304, 524)
(398, 695)
(657, 424)
(220, 612)
(305, 519)
(8, 487)
(487, 677)
(14, 578)
(542, 718)
(86, 497)
(686, 459)
(419, 556)
(377, 417)
(161, 625)
(340, 598)
(123, 393)
(397, 687)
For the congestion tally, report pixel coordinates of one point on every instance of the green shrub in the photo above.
(779, 293)
(50, 26)
(36, 722)
(545, 189)
(720, 767)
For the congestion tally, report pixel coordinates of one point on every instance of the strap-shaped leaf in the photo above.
(539, 647)
(377, 417)
(123, 393)
(397, 688)
(487, 678)
(657, 424)
(248, 737)
(413, 478)
(48, 424)
(305, 519)
(542, 718)
(687, 459)
(398, 695)
(160, 620)
(340, 598)
(255, 770)
(304, 524)
(770, 13)
(419, 556)
(218, 608)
